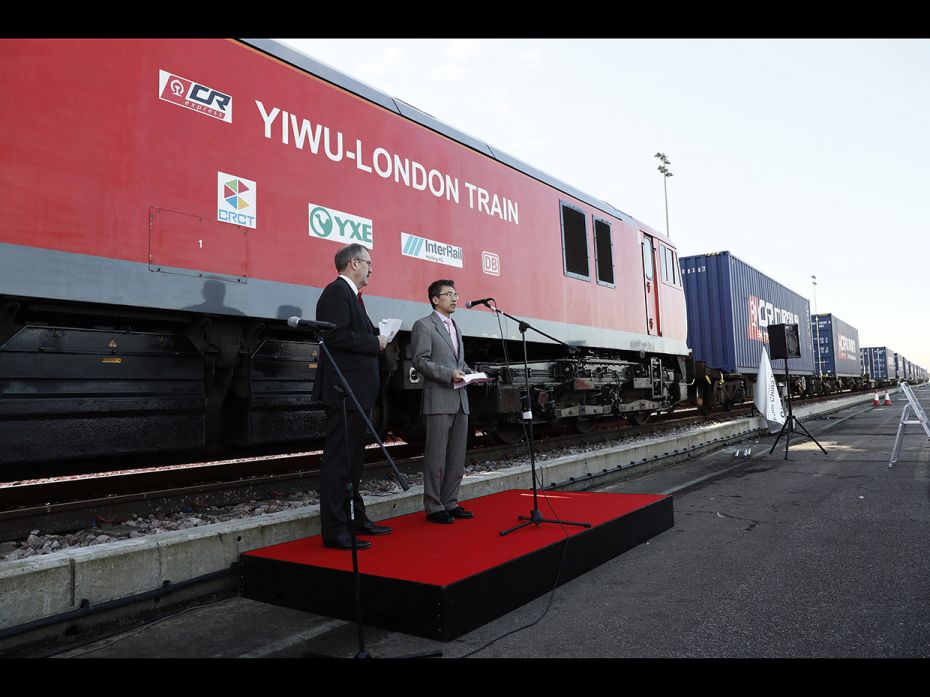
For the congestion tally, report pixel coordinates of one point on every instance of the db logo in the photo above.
(490, 264)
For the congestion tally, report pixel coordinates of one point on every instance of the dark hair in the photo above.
(347, 254)
(436, 286)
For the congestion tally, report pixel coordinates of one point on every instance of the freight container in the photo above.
(730, 306)
(899, 369)
(880, 362)
(836, 347)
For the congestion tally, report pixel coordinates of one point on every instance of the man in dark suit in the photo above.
(355, 345)
(439, 356)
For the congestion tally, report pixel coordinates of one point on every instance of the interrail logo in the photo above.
(194, 96)
(236, 200)
(338, 226)
(430, 250)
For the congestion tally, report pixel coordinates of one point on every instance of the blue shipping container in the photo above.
(836, 346)
(730, 306)
(880, 362)
(898, 367)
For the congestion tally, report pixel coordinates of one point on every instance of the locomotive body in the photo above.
(170, 203)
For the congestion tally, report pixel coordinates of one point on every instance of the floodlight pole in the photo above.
(666, 173)
(817, 330)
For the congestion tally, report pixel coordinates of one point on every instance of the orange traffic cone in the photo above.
(875, 401)
(887, 399)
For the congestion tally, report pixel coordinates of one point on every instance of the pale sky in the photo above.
(801, 157)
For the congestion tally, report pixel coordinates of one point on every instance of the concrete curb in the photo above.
(51, 584)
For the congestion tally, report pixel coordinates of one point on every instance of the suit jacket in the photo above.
(434, 357)
(354, 345)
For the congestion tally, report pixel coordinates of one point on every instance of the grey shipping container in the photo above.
(730, 306)
(836, 346)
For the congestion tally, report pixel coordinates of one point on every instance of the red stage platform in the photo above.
(440, 581)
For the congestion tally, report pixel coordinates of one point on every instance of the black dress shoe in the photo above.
(369, 528)
(459, 512)
(440, 517)
(345, 542)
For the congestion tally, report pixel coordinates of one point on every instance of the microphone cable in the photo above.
(566, 536)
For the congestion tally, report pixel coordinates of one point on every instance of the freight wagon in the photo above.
(879, 365)
(837, 357)
(730, 306)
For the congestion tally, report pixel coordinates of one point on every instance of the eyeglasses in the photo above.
(452, 294)
(367, 261)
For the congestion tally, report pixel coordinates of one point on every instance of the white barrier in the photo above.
(913, 404)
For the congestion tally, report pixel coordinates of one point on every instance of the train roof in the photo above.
(326, 72)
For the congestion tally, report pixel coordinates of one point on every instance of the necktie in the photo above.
(452, 336)
(361, 302)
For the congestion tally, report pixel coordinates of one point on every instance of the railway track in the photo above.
(62, 504)
(65, 504)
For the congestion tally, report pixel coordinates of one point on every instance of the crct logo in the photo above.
(490, 263)
(236, 200)
(194, 96)
(338, 226)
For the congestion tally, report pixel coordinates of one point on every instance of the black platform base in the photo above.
(441, 581)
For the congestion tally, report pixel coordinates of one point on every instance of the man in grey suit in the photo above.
(438, 355)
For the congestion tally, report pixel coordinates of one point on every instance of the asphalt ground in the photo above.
(810, 557)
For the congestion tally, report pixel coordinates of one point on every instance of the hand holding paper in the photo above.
(389, 328)
(472, 379)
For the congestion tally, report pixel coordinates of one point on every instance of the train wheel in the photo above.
(507, 434)
(583, 425)
(639, 418)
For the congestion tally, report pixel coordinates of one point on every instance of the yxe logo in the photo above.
(236, 200)
(430, 250)
(338, 226)
(194, 96)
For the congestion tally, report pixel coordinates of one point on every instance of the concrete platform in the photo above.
(22, 579)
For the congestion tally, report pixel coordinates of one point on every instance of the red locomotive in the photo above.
(168, 204)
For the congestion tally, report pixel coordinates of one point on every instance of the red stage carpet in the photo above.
(440, 581)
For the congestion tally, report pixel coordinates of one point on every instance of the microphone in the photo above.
(296, 321)
(471, 303)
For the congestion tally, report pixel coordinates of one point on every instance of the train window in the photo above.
(671, 272)
(575, 243)
(669, 266)
(647, 259)
(603, 253)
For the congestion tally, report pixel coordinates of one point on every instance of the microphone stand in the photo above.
(350, 493)
(535, 517)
